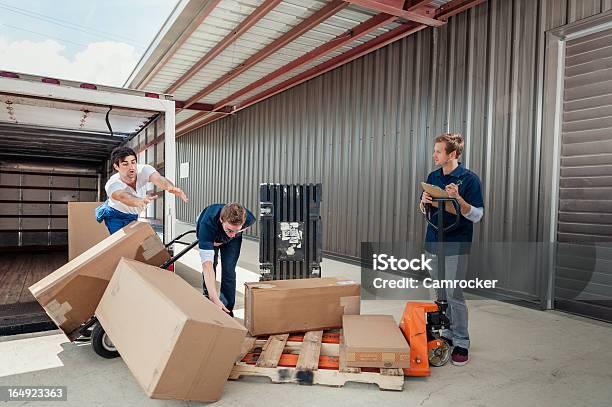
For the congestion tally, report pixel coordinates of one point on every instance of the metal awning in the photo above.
(220, 56)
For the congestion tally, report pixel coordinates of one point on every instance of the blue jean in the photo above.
(230, 252)
(113, 219)
(455, 269)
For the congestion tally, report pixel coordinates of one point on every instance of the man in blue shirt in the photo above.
(219, 229)
(463, 185)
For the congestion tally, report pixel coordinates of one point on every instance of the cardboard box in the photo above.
(71, 293)
(281, 306)
(177, 343)
(374, 341)
(83, 230)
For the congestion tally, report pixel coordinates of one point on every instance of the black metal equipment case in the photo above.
(290, 219)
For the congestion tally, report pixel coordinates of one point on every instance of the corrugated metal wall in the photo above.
(365, 130)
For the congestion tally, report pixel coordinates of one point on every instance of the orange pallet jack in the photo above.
(420, 324)
(422, 321)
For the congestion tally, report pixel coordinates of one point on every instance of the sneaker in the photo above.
(459, 357)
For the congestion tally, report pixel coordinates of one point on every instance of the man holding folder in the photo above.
(463, 185)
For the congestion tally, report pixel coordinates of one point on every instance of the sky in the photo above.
(96, 41)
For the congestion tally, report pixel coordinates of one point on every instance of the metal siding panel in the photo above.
(352, 166)
(527, 138)
(588, 43)
(599, 76)
(579, 9)
(477, 130)
(554, 13)
(339, 157)
(441, 69)
(593, 54)
(460, 69)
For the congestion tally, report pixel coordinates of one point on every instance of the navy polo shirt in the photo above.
(470, 190)
(209, 229)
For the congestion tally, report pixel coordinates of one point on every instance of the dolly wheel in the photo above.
(440, 355)
(102, 344)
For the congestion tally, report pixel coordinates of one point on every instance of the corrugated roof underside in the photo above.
(226, 17)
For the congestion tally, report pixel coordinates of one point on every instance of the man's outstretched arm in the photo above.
(163, 183)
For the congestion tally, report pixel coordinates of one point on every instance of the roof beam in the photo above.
(206, 120)
(395, 7)
(315, 19)
(422, 7)
(243, 27)
(455, 7)
(204, 107)
(195, 118)
(363, 49)
(347, 37)
(224, 110)
(197, 21)
(413, 5)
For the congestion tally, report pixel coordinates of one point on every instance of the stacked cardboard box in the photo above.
(284, 306)
(374, 341)
(177, 343)
(281, 306)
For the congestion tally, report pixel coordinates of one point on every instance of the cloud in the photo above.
(105, 63)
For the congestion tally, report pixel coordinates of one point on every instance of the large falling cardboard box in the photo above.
(83, 229)
(374, 341)
(281, 306)
(71, 293)
(177, 343)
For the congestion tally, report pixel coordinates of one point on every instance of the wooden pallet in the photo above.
(273, 356)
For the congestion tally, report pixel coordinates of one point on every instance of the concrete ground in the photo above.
(519, 357)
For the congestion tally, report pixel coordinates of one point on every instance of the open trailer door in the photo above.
(55, 142)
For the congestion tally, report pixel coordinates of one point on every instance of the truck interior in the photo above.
(54, 151)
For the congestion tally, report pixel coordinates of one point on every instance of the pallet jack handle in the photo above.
(440, 228)
(190, 246)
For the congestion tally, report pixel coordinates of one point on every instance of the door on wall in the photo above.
(583, 283)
